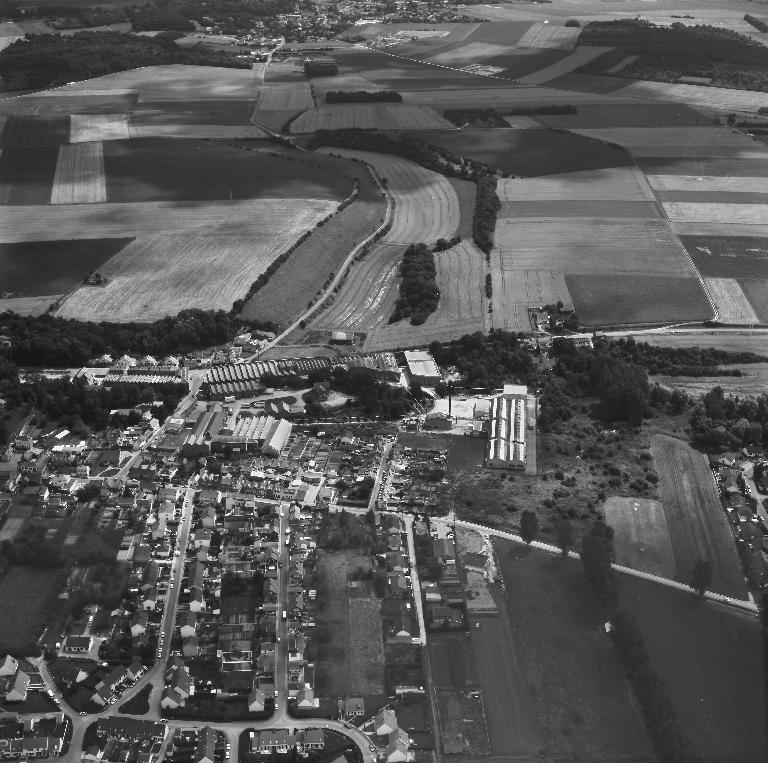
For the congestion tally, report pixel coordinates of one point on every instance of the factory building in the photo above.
(507, 436)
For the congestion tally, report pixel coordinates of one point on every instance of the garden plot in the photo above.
(542, 35)
(606, 184)
(383, 116)
(366, 647)
(565, 66)
(162, 274)
(732, 304)
(84, 128)
(724, 214)
(698, 96)
(79, 177)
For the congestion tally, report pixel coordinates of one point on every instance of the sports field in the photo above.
(641, 539)
(698, 526)
(578, 705)
(163, 273)
(711, 660)
(382, 116)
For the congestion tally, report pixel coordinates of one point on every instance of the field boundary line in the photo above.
(745, 606)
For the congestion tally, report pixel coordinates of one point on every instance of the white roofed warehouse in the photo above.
(507, 447)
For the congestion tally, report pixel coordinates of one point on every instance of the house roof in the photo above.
(386, 717)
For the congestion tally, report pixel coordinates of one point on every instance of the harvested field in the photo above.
(752, 381)
(26, 176)
(608, 184)
(756, 291)
(426, 206)
(623, 299)
(382, 116)
(726, 214)
(542, 35)
(43, 268)
(28, 305)
(368, 295)
(204, 132)
(366, 647)
(515, 291)
(728, 256)
(711, 660)
(716, 197)
(590, 245)
(79, 177)
(579, 696)
(520, 62)
(707, 230)
(48, 103)
(34, 131)
(284, 96)
(698, 526)
(731, 340)
(530, 152)
(708, 184)
(732, 304)
(627, 210)
(164, 273)
(297, 280)
(697, 96)
(223, 113)
(564, 66)
(90, 127)
(641, 536)
(164, 169)
(469, 53)
(627, 115)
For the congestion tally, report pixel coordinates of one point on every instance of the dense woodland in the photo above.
(48, 60)
(419, 293)
(720, 422)
(668, 53)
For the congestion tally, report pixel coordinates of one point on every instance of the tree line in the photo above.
(419, 293)
(363, 96)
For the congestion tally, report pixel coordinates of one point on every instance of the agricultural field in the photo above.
(51, 104)
(560, 209)
(530, 152)
(198, 132)
(697, 523)
(44, 268)
(752, 381)
(84, 128)
(186, 170)
(564, 65)
(26, 175)
(28, 305)
(366, 647)
(732, 304)
(382, 116)
(20, 131)
(297, 280)
(711, 661)
(514, 291)
(26, 593)
(697, 96)
(626, 114)
(222, 113)
(580, 702)
(756, 291)
(543, 35)
(665, 185)
(731, 340)
(641, 539)
(162, 273)
(712, 212)
(79, 177)
(466, 191)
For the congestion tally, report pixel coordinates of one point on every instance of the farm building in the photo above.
(422, 367)
(506, 443)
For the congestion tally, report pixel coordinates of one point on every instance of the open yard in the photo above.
(582, 706)
(366, 647)
(174, 170)
(79, 177)
(43, 268)
(162, 273)
(382, 116)
(697, 523)
(26, 595)
(711, 660)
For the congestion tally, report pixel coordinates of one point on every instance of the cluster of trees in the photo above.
(757, 23)
(31, 549)
(50, 59)
(374, 397)
(665, 53)
(487, 361)
(419, 293)
(46, 341)
(239, 12)
(667, 737)
(487, 206)
(720, 422)
(363, 96)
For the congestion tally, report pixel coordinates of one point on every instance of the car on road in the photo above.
(82, 712)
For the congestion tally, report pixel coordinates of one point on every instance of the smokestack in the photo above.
(450, 385)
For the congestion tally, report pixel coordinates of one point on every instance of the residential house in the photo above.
(8, 666)
(13, 688)
(305, 699)
(256, 700)
(187, 624)
(385, 722)
(398, 748)
(206, 745)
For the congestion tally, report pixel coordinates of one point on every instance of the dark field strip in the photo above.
(520, 63)
(595, 116)
(68, 104)
(39, 268)
(588, 83)
(171, 169)
(714, 197)
(26, 174)
(613, 300)
(756, 290)
(728, 256)
(35, 131)
(717, 167)
(712, 662)
(580, 208)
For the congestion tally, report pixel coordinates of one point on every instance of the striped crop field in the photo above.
(756, 291)
(501, 98)
(84, 128)
(565, 66)
(732, 304)
(724, 214)
(469, 53)
(605, 184)
(164, 273)
(709, 184)
(514, 291)
(383, 116)
(203, 132)
(698, 96)
(542, 35)
(79, 177)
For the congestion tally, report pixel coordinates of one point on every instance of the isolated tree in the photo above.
(596, 560)
(701, 577)
(564, 535)
(529, 526)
